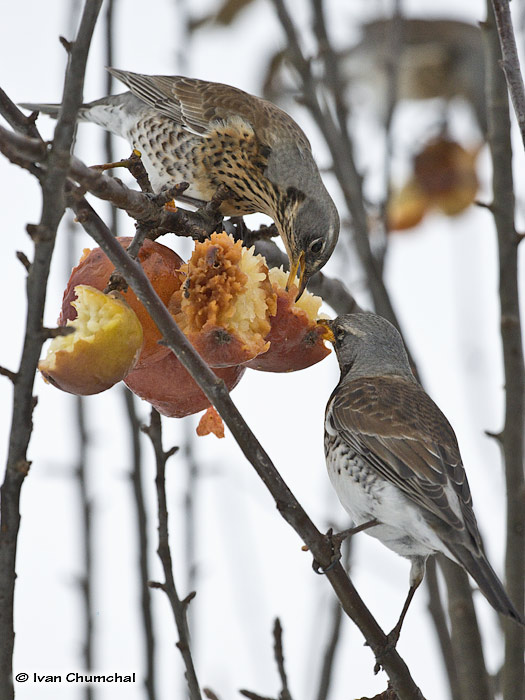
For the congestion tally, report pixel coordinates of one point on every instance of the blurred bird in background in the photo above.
(430, 58)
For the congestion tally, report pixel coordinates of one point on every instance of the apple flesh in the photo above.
(102, 350)
(161, 265)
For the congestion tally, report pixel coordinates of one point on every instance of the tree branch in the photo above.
(437, 612)
(512, 436)
(178, 606)
(466, 639)
(510, 61)
(142, 539)
(23, 403)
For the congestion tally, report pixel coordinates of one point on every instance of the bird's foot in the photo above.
(336, 540)
(390, 644)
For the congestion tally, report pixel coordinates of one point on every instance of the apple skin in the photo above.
(101, 352)
(296, 341)
(169, 388)
(161, 265)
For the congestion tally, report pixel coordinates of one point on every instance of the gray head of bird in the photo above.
(310, 228)
(367, 345)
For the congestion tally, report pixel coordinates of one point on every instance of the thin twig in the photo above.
(23, 403)
(190, 506)
(178, 606)
(466, 639)
(510, 60)
(512, 437)
(143, 543)
(439, 618)
(279, 659)
(87, 538)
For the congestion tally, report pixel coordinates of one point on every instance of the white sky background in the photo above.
(443, 282)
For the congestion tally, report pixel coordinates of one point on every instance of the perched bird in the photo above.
(394, 461)
(434, 58)
(210, 134)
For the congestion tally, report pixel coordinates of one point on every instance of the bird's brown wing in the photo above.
(197, 104)
(407, 440)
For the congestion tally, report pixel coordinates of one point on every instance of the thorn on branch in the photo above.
(520, 237)
(485, 205)
(23, 259)
(157, 584)
(68, 45)
(23, 466)
(254, 696)
(187, 600)
(208, 692)
(496, 436)
(37, 232)
(171, 452)
(4, 372)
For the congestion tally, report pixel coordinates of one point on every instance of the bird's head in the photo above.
(367, 344)
(311, 228)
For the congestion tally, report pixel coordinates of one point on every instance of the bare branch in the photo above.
(179, 608)
(279, 659)
(512, 436)
(142, 538)
(510, 61)
(4, 372)
(437, 612)
(16, 118)
(23, 403)
(466, 639)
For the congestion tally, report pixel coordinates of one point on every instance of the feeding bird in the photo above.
(394, 461)
(210, 134)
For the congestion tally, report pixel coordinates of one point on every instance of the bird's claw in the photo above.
(390, 644)
(336, 554)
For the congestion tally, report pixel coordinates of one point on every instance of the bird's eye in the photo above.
(316, 246)
(340, 334)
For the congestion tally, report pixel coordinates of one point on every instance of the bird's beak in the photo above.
(294, 266)
(328, 333)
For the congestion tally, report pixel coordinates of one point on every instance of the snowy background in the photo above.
(250, 568)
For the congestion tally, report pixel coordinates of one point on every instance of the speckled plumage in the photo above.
(393, 456)
(210, 134)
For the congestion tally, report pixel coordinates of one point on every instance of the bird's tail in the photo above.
(482, 572)
(109, 112)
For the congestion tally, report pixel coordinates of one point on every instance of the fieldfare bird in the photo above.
(435, 58)
(394, 461)
(210, 134)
